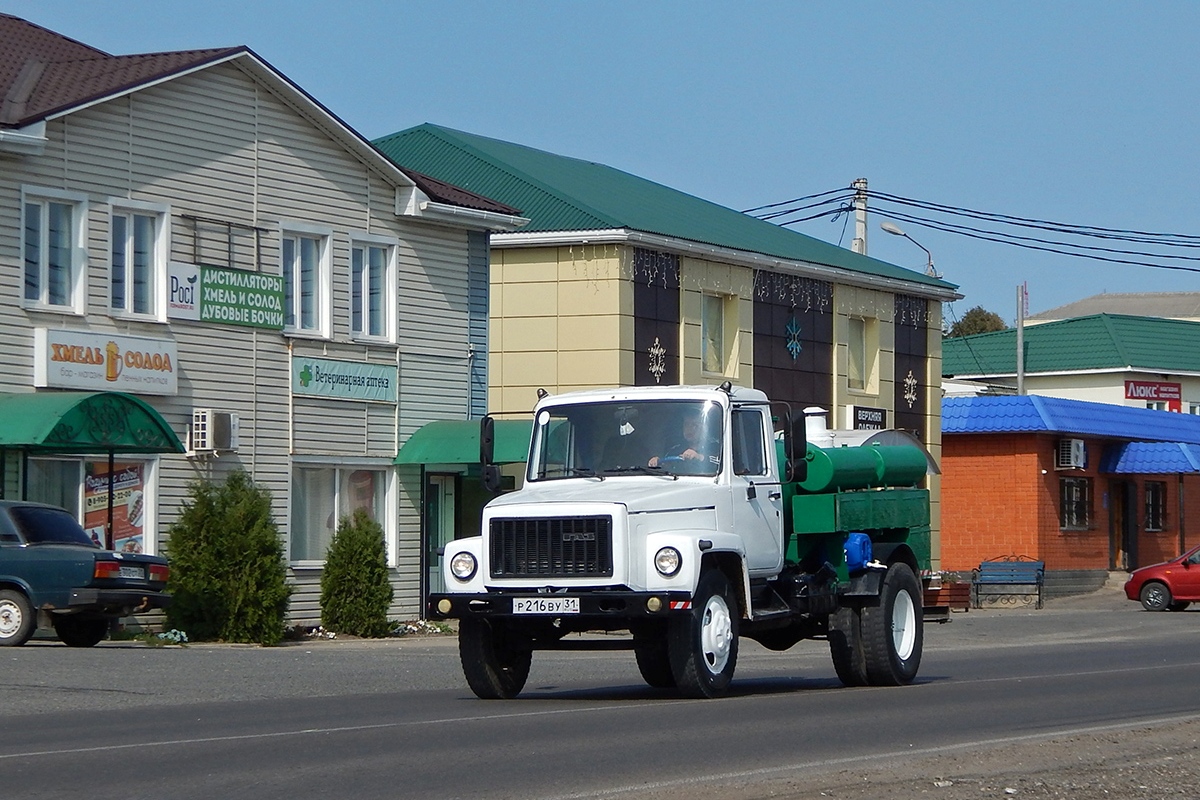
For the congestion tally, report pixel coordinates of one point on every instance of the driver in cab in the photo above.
(693, 445)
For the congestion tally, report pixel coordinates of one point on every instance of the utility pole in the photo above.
(1021, 340)
(859, 245)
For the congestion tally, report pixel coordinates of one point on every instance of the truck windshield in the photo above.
(670, 437)
(40, 525)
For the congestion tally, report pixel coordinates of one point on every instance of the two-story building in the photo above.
(198, 256)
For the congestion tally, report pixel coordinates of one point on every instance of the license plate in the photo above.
(136, 573)
(545, 605)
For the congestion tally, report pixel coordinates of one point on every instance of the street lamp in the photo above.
(895, 230)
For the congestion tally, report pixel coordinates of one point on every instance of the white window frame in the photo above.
(339, 464)
(323, 290)
(77, 279)
(714, 332)
(862, 345)
(128, 209)
(388, 329)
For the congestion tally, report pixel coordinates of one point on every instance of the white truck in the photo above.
(683, 516)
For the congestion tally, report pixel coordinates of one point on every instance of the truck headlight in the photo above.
(667, 561)
(463, 566)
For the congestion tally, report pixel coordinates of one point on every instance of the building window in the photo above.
(305, 282)
(1156, 505)
(1157, 405)
(1075, 503)
(862, 349)
(137, 261)
(322, 495)
(82, 486)
(52, 244)
(712, 333)
(371, 293)
(1194, 408)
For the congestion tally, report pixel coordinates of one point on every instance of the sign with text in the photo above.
(128, 499)
(224, 296)
(1155, 392)
(345, 380)
(104, 362)
(865, 418)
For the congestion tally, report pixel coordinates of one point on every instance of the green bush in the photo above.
(228, 575)
(355, 590)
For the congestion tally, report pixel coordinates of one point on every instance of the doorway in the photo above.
(441, 522)
(1123, 526)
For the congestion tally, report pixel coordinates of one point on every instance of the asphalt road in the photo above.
(394, 719)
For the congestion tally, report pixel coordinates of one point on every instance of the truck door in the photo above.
(756, 490)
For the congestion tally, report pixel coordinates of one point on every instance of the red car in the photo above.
(1170, 586)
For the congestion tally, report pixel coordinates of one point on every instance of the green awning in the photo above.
(456, 441)
(83, 422)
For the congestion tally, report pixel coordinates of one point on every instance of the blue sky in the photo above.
(1077, 112)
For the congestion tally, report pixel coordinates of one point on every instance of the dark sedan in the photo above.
(52, 575)
(1169, 586)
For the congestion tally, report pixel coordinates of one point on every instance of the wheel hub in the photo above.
(10, 619)
(716, 634)
(904, 625)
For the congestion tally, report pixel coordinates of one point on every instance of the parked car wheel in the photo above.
(1156, 596)
(17, 619)
(80, 631)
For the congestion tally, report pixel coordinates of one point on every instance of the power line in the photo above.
(933, 219)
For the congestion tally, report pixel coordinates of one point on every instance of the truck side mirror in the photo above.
(487, 440)
(487, 452)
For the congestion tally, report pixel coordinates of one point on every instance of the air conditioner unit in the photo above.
(213, 431)
(1070, 454)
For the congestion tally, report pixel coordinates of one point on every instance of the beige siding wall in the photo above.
(561, 319)
(217, 144)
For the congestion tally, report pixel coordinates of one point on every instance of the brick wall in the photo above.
(1000, 496)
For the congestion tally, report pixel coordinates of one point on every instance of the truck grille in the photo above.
(566, 546)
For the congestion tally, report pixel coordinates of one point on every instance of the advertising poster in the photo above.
(129, 503)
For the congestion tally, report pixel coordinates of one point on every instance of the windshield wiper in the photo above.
(574, 472)
(642, 469)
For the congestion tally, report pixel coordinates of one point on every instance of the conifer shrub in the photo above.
(355, 590)
(228, 574)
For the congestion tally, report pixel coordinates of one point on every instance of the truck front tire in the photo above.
(651, 648)
(495, 666)
(892, 629)
(703, 645)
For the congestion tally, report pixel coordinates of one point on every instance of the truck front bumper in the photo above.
(593, 604)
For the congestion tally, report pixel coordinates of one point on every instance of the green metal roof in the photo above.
(83, 422)
(558, 193)
(456, 441)
(1101, 341)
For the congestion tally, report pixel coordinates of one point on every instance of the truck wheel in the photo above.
(495, 668)
(654, 658)
(846, 646)
(17, 620)
(76, 631)
(704, 644)
(891, 630)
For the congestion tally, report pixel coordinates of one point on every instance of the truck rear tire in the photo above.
(892, 629)
(846, 646)
(496, 668)
(703, 645)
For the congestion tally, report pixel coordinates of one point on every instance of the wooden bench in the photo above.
(1008, 580)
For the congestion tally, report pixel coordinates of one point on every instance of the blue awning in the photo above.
(1151, 458)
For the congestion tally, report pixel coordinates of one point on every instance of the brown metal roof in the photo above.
(43, 73)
